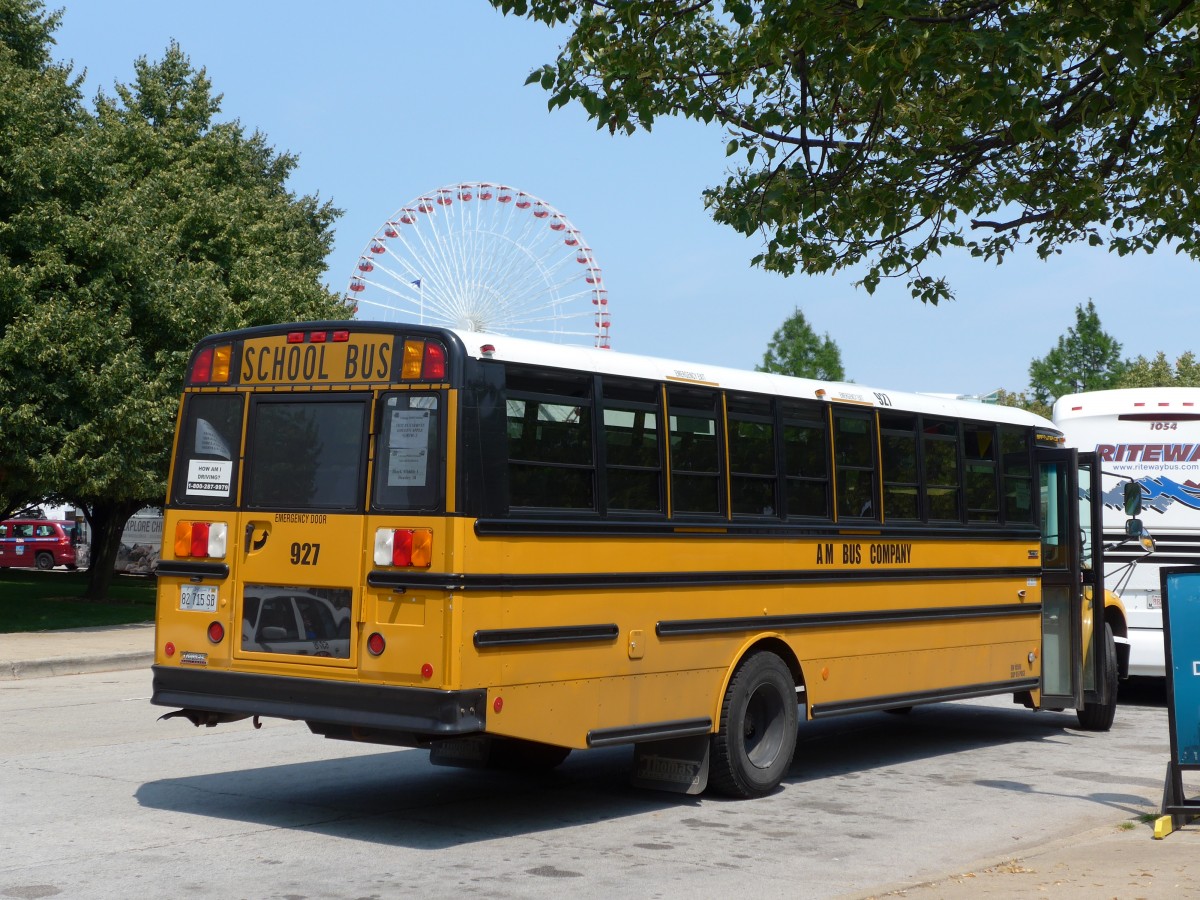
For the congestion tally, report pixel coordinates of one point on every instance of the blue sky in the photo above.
(385, 102)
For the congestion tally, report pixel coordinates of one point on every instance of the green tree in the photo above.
(1022, 400)
(1159, 372)
(1086, 358)
(40, 116)
(884, 131)
(796, 350)
(164, 226)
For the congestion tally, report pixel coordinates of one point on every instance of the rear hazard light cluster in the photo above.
(201, 540)
(404, 547)
(211, 365)
(423, 361)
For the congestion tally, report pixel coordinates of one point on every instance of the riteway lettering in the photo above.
(1148, 452)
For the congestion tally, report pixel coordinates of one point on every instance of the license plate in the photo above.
(198, 597)
(1154, 601)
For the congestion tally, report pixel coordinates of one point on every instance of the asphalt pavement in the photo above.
(1120, 859)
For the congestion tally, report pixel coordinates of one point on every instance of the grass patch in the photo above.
(47, 601)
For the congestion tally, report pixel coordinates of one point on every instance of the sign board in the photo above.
(1181, 626)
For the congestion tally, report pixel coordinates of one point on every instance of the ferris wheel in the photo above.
(483, 257)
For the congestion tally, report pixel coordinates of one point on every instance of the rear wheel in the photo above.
(1099, 716)
(45, 561)
(752, 750)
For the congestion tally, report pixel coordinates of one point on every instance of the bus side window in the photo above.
(697, 485)
(979, 473)
(854, 458)
(805, 460)
(901, 475)
(551, 464)
(752, 469)
(1017, 475)
(939, 446)
(632, 447)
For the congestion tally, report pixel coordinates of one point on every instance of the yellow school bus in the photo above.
(503, 550)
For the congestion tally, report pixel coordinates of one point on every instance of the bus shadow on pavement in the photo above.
(398, 798)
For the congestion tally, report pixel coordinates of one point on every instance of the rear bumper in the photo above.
(1147, 652)
(414, 711)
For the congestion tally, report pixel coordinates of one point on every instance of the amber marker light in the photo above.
(220, 363)
(414, 355)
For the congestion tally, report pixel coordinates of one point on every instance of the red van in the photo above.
(41, 543)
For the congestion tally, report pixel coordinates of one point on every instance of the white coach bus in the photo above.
(1151, 436)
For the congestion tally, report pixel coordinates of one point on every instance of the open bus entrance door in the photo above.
(1072, 580)
(1074, 645)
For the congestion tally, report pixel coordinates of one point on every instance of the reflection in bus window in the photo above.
(632, 447)
(854, 457)
(979, 475)
(939, 447)
(1018, 477)
(752, 456)
(306, 454)
(695, 456)
(806, 460)
(898, 439)
(550, 459)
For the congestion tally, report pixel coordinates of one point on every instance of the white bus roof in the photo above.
(611, 362)
(1126, 401)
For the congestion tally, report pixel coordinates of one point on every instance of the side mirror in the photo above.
(1137, 531)
(1133, 498)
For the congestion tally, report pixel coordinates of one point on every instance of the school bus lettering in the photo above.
(294, 362)
(271, 361)
(370, 362)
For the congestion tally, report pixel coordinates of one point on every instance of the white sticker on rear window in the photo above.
(408, 442)
(209, 478)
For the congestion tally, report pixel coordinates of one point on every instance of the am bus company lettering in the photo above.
(855, 554)
(310, 362)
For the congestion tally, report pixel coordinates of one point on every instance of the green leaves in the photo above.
(1086, 358)
(126, 236)
(795, 349)
(879, 133)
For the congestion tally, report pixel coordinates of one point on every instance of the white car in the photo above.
(295, 621)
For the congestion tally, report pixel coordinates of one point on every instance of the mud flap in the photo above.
(472, 752)
(678, 765)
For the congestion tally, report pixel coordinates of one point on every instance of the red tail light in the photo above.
(433, 368)
(204, 540)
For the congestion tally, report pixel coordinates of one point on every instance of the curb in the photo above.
(76, 665)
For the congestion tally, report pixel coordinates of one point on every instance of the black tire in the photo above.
(752, 749)
(45, 561)
(1099, 716)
